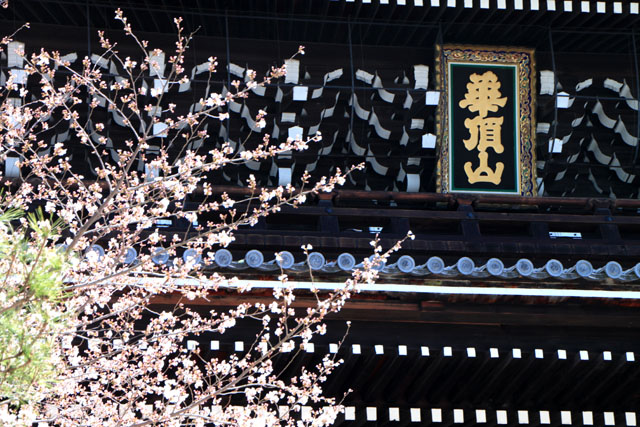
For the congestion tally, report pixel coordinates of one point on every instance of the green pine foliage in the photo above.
(32, 314)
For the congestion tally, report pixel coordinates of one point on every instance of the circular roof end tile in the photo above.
(524, 267)
(465, 265)
(254, 258)
(554, 268)
(435, 265)
(406, 264)
(285, 260)
(316, 260)
(495, 267)
(584, 268)
(346, 261)
(613, 270)
(223, 257)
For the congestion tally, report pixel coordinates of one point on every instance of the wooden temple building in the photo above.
(517, 302)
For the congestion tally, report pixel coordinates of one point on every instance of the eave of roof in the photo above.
(390, 22)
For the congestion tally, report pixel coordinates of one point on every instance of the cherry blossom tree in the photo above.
(114, 357)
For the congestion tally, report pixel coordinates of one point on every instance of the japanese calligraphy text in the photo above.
(483, 96)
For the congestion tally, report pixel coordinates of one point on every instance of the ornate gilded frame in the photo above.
(524, 62)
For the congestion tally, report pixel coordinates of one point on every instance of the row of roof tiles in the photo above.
(583, 6)
(404, 265)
